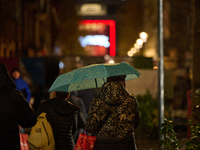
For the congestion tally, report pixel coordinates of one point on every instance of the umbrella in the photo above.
(92, 76)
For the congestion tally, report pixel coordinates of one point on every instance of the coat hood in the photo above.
(113, 93)
(63, 107)
(7, 84)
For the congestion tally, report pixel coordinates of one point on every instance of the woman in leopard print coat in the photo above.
(117, 132)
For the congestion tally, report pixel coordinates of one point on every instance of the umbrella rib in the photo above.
(96, 85)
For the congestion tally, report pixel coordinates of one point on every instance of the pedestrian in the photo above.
(20, 83)
(14, 112)
(81, 115)
(87, 95)
(113, 116)
(63, 117)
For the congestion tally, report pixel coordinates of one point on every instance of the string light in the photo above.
(138, 45)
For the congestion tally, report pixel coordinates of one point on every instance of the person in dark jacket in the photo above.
(63, 117)
(81, 115)
(21, 85)
(122, 116)
(14, 111)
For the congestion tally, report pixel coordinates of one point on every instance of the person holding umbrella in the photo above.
(113, 116)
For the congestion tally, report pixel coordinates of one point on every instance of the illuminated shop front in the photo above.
(98, 37)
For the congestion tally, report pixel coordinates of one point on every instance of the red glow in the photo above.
(112, 32)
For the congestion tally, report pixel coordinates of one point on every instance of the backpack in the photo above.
(41, 136)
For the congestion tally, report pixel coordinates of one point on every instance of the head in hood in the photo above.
(120, 79)
(113, 93)
(7, 84)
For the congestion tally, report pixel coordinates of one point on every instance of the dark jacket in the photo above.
(62, 115)
(117, 131)
(82, 112)
(14, 111)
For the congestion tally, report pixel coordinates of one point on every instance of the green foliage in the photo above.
(168, 138)
(196, 110)
(194, 141)
(149, 116)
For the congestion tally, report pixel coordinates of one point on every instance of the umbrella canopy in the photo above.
(92, 76)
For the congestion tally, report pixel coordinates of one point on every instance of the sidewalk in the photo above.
(147, 144)
(152, 144)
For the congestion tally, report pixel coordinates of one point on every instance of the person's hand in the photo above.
(31, 102)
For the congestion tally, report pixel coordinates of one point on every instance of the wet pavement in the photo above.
(154, 145)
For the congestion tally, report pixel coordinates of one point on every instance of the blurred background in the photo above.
(45, 38)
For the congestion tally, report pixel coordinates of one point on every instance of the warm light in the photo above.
(77, 58)
(139, 41)
(92, 9)
(137, 46)
(155, 67)
(111, 61)
(150, 53)
(130, 53)
(143, 36)
(106, 57)
(134, 50)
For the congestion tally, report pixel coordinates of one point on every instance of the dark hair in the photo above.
(15, 69)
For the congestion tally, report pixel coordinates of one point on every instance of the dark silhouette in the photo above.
(81, 115)
(14, 112)
(63, 117)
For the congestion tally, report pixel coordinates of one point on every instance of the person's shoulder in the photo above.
(131, 98)
(17, 97)
(17, 94)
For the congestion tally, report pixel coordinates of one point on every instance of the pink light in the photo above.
(112, 32)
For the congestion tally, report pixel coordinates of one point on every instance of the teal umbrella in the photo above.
(92, 76)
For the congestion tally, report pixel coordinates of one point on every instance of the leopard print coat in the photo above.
(124, 109)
